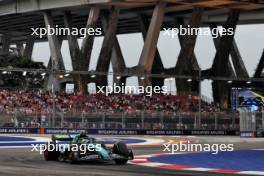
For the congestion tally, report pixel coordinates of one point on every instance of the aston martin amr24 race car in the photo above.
(77, 148)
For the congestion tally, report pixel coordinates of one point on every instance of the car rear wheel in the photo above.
(121, 161)
(121, 149)
(74, 157)
(50, 156)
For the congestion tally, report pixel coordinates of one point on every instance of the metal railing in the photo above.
(251, 121)
(121, 120)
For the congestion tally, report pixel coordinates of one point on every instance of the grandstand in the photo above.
(74, 110)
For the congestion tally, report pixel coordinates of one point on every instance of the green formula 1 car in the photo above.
(80, 147)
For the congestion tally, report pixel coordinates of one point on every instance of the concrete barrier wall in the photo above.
(116, 131)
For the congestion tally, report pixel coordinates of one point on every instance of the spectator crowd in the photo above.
(36, 101)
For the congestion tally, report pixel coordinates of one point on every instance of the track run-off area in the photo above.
(150, 157)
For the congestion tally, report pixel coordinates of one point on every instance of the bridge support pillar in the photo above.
(157, 67)
(49, 77)
(5, 44)
(221, 65)
(187, 63)
(238, 63)
(20, 49)
(260, 71)
(107, 46)
(149, 51)
(260, 67)
(117, 59)
(25, 52)
(118, 64)
(56, 56)
(228, 71)
(28, 50)
(81, 56)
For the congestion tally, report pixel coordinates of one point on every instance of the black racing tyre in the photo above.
(47, 155)
(120, 161)
(103, 146)
(51, 155)
(74, 157)
(131, 155)
(121, 149)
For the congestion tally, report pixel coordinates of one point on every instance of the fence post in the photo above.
(253, 120)
(262, 120)
(241, 121)
(233, 121)
(142, 120)
(195, 121)
(200, 120)
(15, 118)
(103, 120)
(41, 122)
(49, 121)
(216, 121)
(62, 119)
(162, 120)
(123, 120)
(180, 121)
(82, 116)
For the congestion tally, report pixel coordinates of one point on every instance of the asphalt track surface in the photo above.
(23, 162)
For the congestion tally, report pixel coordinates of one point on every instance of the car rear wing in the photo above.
(63, 137)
